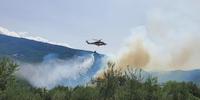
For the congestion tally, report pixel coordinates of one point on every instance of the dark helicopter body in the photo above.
(97, 43)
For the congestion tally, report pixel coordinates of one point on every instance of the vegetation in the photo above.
(112, 85)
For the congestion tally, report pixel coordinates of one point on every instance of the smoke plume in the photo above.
(53, 71)
(136, 55)
(170, 39)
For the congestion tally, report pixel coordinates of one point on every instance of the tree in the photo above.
(60, 93)
(7, 69)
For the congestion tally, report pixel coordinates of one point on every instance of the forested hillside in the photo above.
(111, 85)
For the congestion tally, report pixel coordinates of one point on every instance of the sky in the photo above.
(144, 33)
(74, 21)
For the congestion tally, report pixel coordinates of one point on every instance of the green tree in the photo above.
(60, 93)
(84, 93)
(108, 85)
(7, 69)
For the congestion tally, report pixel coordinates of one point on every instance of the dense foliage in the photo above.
(112, 85)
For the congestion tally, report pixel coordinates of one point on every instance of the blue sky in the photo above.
(74, 21)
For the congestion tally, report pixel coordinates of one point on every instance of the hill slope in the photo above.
(33, 51)
(48, 65)
(178, 75)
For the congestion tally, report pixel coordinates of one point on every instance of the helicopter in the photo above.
(97, 42)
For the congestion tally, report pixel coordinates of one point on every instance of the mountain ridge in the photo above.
(177, 75)
(19, 48)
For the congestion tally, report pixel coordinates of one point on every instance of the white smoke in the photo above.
(53, 71)
(169, 40)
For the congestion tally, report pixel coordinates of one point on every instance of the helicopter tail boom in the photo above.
(87, 42)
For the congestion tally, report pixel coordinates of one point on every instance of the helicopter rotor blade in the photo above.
(97, 39)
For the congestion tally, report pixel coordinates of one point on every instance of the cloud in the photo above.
(29, 36)
(7, 32)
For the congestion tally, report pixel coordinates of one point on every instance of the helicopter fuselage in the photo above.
(98, 43)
